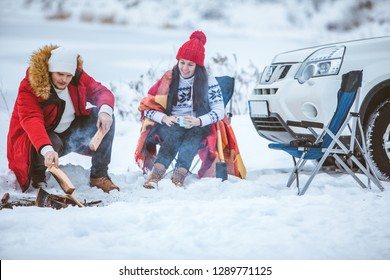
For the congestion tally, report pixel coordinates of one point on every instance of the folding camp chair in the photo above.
(328, 143)
(226, 83)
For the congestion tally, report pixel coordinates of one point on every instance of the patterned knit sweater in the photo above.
(184, 106)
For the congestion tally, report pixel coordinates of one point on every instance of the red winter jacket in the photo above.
(38, 110)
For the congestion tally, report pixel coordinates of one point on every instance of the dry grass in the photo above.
(59, 15)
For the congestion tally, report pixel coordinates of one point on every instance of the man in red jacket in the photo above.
(51, 118)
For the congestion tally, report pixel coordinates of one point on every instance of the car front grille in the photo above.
(265, 91)
(273, 128)
(286, 68)
(268, 124)
(275, 72)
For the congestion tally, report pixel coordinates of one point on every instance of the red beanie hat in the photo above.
(193, 49)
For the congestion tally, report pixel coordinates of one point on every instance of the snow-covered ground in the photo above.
(251, 219)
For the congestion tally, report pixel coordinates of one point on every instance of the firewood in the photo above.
(62, 179)
(5, 198)
(96, 140)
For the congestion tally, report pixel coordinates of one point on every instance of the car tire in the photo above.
(378, 139)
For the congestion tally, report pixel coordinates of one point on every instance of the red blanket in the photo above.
(209, 153)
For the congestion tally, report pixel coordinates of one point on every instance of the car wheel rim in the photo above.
(386, 141)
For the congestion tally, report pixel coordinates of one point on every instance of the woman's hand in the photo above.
(169, 120)
(191, 122)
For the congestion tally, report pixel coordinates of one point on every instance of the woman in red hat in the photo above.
(183, 104)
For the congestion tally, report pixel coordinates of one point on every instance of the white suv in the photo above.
(303, 84)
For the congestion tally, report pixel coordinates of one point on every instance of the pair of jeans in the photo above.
(76, 139)
(181, 141)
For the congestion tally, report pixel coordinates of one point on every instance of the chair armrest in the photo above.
(293, 123)
(305, 124)
(312, 124)
(355, 114)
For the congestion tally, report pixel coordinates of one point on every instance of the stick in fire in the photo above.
(65, 183)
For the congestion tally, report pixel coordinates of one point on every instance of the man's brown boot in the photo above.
(155, 176)
(179, 174)
(103, 183)
(38, 180)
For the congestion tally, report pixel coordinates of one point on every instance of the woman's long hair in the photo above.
(200, 88)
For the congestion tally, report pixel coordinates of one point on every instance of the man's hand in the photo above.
(51, 158)
(104, 122)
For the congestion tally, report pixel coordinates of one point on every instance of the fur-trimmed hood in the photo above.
(38, 73)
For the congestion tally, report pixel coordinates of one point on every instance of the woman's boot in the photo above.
(179, 174)
(155, 176)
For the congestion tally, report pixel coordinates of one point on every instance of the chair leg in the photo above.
(369, 171)
(194, 165)
(369, 166)
(350, 172)
(315, 171)
(313, 174)
(295, 172)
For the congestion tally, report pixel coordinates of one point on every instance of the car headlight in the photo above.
(267, 73)
(324, 62)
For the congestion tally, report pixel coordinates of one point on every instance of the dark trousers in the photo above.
(76, 139)
(181, 141)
